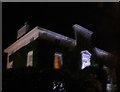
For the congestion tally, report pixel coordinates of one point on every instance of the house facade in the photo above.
(39, 48)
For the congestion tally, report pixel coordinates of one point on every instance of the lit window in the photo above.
(30, 58)
(85, 55)
(58, 61)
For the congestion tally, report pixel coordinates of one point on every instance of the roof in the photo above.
(42, 34)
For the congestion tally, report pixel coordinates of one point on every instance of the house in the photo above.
(39, 48)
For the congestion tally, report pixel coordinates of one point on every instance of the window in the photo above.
(58, 61)
(85, 55)
(30, 58)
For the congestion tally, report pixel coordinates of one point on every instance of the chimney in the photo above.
(23, 30)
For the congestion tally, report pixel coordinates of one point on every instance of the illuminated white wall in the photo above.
(10, 65)
(85, 56)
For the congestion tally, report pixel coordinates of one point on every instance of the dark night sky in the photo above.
(101, 18)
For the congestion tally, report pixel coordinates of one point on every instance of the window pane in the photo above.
(85, 55)
(30, 58)
(58, 61)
